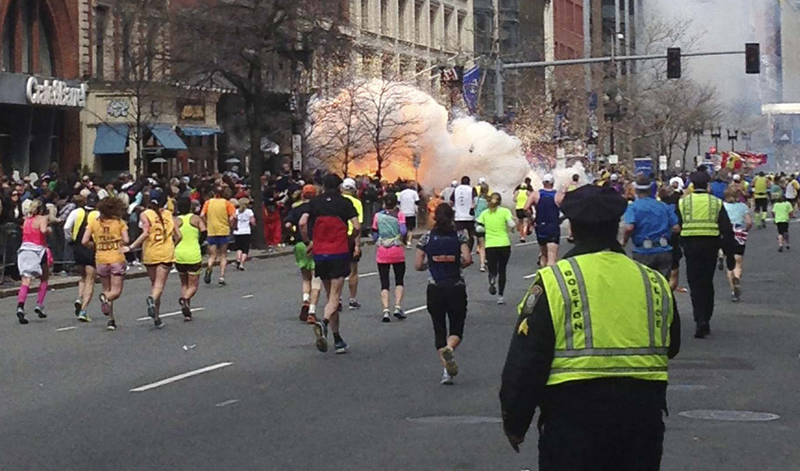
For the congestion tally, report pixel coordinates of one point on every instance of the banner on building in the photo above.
(472, 79)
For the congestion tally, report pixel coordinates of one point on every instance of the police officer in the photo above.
(705, 228)
(590, 350)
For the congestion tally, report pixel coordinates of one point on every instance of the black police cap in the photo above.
(591, 204)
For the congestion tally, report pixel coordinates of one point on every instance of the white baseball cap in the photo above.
(349, 184)
(481, 180)
(614, 177)
(737, 177)
(454, 183)
(548, 178)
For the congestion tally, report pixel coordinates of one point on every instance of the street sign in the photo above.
(297, 152)
(662, 162)
(678, 163)
(613, 159)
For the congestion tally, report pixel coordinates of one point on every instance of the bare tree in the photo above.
(261, 48)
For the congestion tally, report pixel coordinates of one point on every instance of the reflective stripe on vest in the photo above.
(700, 215)
(622, 331)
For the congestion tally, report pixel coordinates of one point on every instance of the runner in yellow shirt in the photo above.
(159, 236)
(219, 215)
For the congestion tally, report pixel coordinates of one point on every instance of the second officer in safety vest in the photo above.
(590, 350)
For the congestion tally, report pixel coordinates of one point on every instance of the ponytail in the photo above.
(444, 217)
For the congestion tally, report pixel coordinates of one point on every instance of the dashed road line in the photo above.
(170, 314)
(179, 377)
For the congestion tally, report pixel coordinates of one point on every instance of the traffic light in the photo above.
(752, 57)
(674, 63)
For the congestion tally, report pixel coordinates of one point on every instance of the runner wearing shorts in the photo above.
(74, 228)
(349, 192)
(188, 257)
(521, 194)
(327, 221)
(245, 221)
(311, 285)
(219, 215)
(107, 235)
(547, 222)
(158, 238)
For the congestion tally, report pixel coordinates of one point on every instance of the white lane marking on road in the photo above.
(179, 377)
(365, 275)
(248, 296)
(528, 277)
(416, 309)
(170, 314)
(227, 403)
(523, 244)
(64, 329)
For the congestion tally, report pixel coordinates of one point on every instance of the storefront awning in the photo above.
(167, 137)
(200, 131)
(111, 139)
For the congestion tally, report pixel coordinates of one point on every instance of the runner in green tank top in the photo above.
(188, 257)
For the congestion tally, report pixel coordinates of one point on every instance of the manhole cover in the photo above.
(455, 419)
(730, 415)
(686, 387)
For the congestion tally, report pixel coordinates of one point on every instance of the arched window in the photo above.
(27, 37)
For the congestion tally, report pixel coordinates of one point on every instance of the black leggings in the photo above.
(399, 274)
(447, 302)
(497, 259)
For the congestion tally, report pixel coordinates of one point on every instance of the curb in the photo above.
(72, 282)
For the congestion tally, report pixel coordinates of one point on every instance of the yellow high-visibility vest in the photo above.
(700, 215)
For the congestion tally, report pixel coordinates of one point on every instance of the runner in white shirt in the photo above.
(408, 202)
(245, 221)
(447, 193)
(463, 200)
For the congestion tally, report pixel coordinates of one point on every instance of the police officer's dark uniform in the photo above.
(590, 350)
(705, 228)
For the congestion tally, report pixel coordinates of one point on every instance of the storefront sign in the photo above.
(55, 93)
(192, 112)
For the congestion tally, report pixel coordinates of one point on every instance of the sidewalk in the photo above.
(62, 282)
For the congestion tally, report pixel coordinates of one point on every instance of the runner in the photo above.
(650, 224)
(108, 233)
(546, 223)
(447, 253)
(671, 197)
(219, 215)
(389, 232)
(305, 262)
(349, 192)
(34, 259)
(188, 256)
(497, 221)
(481, 203)
(761, 198)
(159, 236)
(447, 193)
(245, 221)
(783, 212)
(739, 214)
(74, 228)
(792, 190)
(463, 200)
(327, 216)
(521, 194)
(409, 204)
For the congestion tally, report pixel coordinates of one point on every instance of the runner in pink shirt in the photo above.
(389, 231)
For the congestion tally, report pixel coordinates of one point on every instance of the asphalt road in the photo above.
(76, 397)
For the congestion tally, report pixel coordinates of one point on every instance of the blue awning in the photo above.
(200, 131)
(167, 137)
(111, 139)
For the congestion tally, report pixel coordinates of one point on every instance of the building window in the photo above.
(126, 50)
(434, 16)
(365, 14)
(401, 19)
(385, 17)
(460, 32)
(448, 24)
(26, 21)
(101, 25)
(418, 22)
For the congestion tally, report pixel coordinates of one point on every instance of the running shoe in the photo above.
(501, 300)
(780, 249)
(151, 307)
(492, 287)
(386, 317)
(105, 306)
(241, 268)
(40, 312)
(21, 316)
(447, 380)
(570, 240)
(312, 319)
(450, 363)
(354, 305)
(737, 289)
(158, 323)
(84, 317)
(304, 311)
(788, 248)
(483, 268)
(222, 282)
(112, 325)
(321, 332)
(78, 307)
(399, 314)
(207, 276)
(734, 298)
(521, 240)
(720, 264)
(340, 347)
(185, 309)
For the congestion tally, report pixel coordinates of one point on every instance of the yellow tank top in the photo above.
(76, 228)
(159, 246)
(188, 250)
(760, 187)
(107, 237)
(522, 198)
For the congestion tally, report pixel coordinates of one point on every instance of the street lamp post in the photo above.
(733, 137)
(716, 134)
(698, 132)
